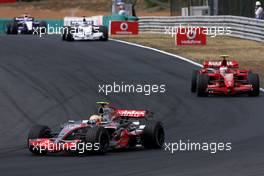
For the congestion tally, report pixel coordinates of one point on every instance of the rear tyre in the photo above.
(13, 28)
(38, 132)
(153, 135)
(202, 84)
(104, 30)
(43, 27)
(66, 34)
(194, 81)
(8, 28)
(253, 79)
(98, 138)
(132, 142)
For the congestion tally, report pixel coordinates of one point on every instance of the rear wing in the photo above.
(131, 113)
(74, 21)
(217, 64)
(23, 19)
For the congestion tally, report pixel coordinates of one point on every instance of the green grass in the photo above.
(248, 53)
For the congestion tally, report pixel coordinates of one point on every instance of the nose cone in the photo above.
(29, 25)
(229, 80)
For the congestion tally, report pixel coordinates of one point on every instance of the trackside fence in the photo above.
(242, 27)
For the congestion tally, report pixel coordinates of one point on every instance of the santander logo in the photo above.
(131, 113)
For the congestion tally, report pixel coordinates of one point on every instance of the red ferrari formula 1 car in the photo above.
(110, 128)
(224, 77)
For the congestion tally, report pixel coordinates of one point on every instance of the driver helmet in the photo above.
(84, 20)
(258, 3)
(96, 118)
(224, 63)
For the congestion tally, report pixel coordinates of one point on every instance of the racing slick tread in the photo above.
(153, 135)
(97, 135)
(203, 81)
(194, 81)
(104, 30)
(67, 36)
(43, 26)
(253, 79)
(13, 28)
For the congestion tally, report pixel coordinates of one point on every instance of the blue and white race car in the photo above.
(25, 25)
(83, 28)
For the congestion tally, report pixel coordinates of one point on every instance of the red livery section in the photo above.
(217, 64)
(7, 1)
(224, 77)
(124, 28)
(191, 36)
(131, 113)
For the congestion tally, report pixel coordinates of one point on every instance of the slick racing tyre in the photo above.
(66, 34)
(253, 79)
(153, 135)
(38, 132)
(104, 30)
(12, 28)
(194, 81)
(132, 142)
(8, 28)
(43, 27)
(98, 138)
(202, 84)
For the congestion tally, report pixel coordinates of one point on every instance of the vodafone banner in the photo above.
(191, 36)
(124, 28)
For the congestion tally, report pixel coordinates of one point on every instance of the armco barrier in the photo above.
(241, 27)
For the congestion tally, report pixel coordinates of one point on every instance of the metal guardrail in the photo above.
(242, 27)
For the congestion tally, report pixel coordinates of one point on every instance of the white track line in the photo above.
(164, 52)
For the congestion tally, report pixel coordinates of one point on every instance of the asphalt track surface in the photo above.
(47, 81)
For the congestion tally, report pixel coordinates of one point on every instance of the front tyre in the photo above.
(43, 27)
(104, 30)
(153, 135)
(202, 85)
(8, 28)
(98, 138)
(253, 79)
(67, 34)
(38, 132)
(194, 81)
(13, 27)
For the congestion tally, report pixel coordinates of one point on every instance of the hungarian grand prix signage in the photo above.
(124, 28)
(191, 36)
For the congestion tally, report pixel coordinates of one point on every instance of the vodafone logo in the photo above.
(131, 113)
(191, 34)
(123, 26)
